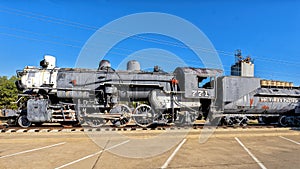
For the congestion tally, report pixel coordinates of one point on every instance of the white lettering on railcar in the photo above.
(278, 99)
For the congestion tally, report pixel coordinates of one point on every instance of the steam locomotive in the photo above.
(119, 97)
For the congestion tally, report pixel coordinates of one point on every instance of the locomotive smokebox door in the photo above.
(37, 110)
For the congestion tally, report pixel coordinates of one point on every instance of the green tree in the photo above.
(8, 92)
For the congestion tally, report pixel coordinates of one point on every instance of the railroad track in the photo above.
(61, 128)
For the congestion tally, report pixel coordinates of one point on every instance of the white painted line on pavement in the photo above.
(290, 140)
(36, 149)
(91, 155)
(173, 154)
(252, 156)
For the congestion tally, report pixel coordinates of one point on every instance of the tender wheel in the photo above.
(227, 121)
(125, 115)
(23, 121)
(143, 115)
(283, 121)
(286, 121)
(95, 122)
(244, 122)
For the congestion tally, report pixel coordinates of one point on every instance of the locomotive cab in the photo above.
(197, 86)
(197, 82)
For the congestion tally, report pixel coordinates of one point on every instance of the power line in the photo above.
(88, 27)
(34, 39)
(139, 37)
(94, 45)
(39, 34)
(272, 73)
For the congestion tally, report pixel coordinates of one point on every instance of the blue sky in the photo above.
(269, 31)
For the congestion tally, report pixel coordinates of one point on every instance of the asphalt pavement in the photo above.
(225, 148)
